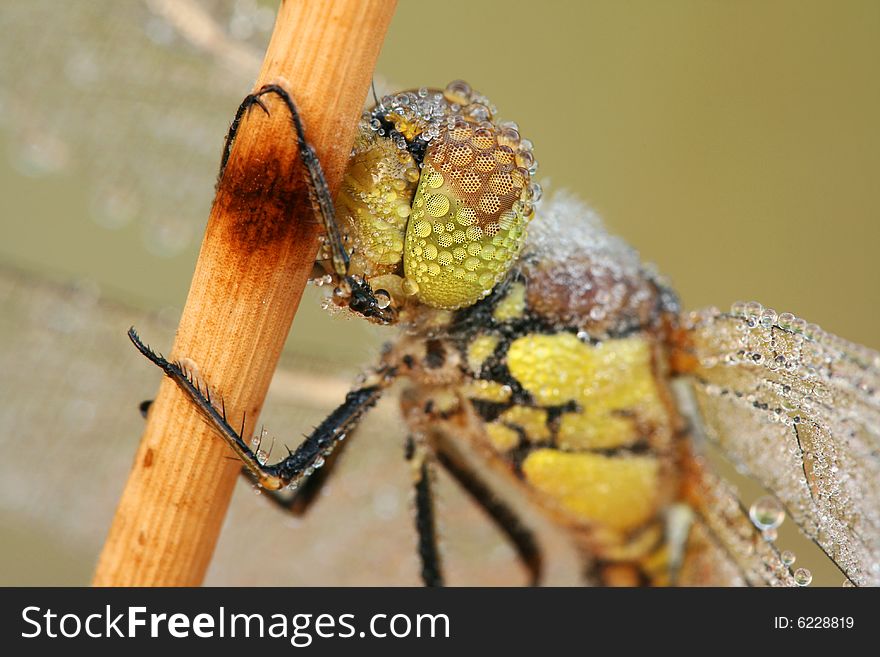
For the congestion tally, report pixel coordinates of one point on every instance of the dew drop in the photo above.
(785, 320)
(788, 557)
(458, 91)
(768, 318)
(536, 192)
(766, 513)
(383, 299)
(410, 287)
(803, 577)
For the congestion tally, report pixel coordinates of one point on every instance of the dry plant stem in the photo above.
(258, 249)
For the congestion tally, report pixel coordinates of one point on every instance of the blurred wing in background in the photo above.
(136, 95)
(798, 410)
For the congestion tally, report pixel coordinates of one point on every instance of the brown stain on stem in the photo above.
(258, 250)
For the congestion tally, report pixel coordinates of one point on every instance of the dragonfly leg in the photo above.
(300, 463)
(519, 536)
(361, 297)
(300, 501)
(426, 525)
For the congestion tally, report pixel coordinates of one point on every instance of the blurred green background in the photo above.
(735, 144)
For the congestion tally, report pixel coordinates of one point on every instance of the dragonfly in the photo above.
(537, 346)
(712, 392)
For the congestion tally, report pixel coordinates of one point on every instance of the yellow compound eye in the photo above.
(468, 216)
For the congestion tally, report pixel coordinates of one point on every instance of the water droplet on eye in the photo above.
(509, 136)
(458, 91)
(524, 159)
(383, 299)
(754, 309)
(478, 112)
(803, 577)
(767, 513)
(536, 192)
(768, 318)
(410, 287)
(788, 557)
(785, 320)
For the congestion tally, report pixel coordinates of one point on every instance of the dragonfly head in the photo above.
(435, 200)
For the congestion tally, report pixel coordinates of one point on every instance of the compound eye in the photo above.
(472, 204)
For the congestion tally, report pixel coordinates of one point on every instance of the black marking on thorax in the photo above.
(435, 354)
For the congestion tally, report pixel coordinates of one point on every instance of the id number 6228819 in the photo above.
(814, 622)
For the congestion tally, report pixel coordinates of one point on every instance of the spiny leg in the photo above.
(300, 463)
(426, 525)
(522, 540)
(362, 300)
(300, 500)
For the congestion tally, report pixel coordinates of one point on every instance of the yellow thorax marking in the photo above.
(479, 350)
(613, 384)
(533, 421)
(618, 492)
(513, 305)
(502, 438)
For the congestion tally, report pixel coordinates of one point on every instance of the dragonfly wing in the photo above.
(724, 548)
(797, 409)
(133, 97)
